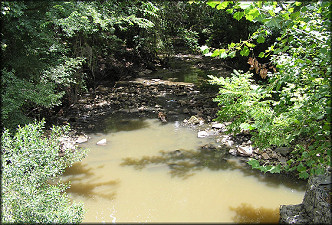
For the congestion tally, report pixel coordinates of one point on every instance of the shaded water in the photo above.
(154, 172)
(190, 69)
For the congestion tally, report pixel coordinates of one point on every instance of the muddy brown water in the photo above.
(154, 172)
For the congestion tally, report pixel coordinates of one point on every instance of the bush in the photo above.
(30, 167)
(292, 106)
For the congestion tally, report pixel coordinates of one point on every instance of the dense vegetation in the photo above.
(291, 104)
(30, 166)
(55, 50)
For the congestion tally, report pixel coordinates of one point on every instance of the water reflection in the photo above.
(246, 213)
(81, 185)
(185, 71)
(185, 163)
(182, 163)
(121, 124)
(78, 169)
(88, 189)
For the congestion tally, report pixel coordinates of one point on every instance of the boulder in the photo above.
(245, 150)
(316, 205)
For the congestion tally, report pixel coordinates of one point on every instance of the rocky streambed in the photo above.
(178, 101)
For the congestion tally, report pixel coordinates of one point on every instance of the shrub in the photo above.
(30, 167)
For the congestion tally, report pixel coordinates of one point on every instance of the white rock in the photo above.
(245, 150)
(218, 125)
(81, 139)
(102, 142)
(202, 134)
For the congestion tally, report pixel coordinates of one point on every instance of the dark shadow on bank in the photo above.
(183, 163)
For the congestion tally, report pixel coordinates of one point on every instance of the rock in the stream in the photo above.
(81, 139)
(195, 120)
(202, 134)
(218, 125)
(245, 150)
(102, 142)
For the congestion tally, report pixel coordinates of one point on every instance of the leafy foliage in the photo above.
(30, 163)
(294, 107)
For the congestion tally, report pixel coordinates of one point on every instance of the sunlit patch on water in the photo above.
(154, 172)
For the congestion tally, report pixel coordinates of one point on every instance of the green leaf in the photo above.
(238, 15)
(260, 4)
(254, 12)
(274, 22)
(301, 167)
(204, 49)
(295, 15)
(250, 45)
(254, 163)
(245, 126)
(223, 5)
(303, 175)
(245, 51)
(249, 17)
(261, 39)
(217, 52)
(275, 169)
(213, 3)
(272, 13)
(233, 54)
(261, 55)
(223, 55)
(323, 50)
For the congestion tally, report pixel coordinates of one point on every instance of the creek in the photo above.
(149, 171)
